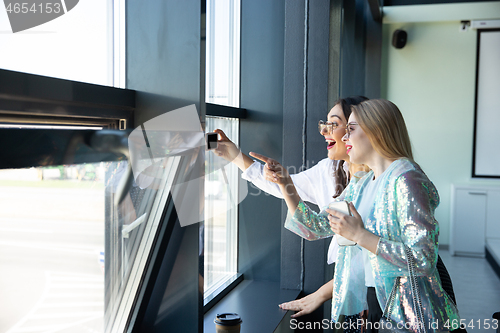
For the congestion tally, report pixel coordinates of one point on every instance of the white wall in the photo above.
(432, 80)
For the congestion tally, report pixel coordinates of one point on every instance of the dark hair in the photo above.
(341, 178)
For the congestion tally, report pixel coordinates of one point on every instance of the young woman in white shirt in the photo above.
(318, 184)
(392, 220)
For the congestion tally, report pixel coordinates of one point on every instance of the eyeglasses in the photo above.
(330, 127)
(347, 130)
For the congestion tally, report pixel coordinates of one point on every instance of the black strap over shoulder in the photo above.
(445, 279)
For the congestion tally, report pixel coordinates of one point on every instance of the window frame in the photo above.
(234, 93)
(34, 99)
(28, 97)
(223, 111)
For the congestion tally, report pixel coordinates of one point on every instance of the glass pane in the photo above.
(221, 213)
(223, 52)
(72, 258)
(83, 44)
(130, 230)
(51, 249)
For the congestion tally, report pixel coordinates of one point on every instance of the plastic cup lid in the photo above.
(227, 319)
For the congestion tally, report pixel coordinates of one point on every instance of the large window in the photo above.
(107, 249)
(85, 44)
(221, 180)
(52, 248)
(71, 256)
(80, 252)
(223, 52)
(221, 212)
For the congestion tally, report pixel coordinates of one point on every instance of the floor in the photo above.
(477, 289)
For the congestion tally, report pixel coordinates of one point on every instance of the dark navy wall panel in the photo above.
(165, 65)
(260, 223)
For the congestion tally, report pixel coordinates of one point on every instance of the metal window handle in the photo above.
(477, 193)
(127, 229)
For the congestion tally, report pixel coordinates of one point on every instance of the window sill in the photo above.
(216, 295)
(257, 304)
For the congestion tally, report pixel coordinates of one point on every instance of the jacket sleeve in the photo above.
(414, 200)
(308, 224)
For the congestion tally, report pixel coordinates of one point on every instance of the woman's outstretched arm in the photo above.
(276, 173)
(228, 151)
(302, 220)
(307, 182)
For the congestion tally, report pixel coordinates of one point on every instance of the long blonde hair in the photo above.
(384, 125)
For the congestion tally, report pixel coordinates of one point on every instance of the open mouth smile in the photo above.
(348, 148)
(331, 143)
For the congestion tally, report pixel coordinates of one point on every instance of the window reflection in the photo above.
(85, 44)
(72, 260)
(223, 52)
(51, 248)
(221, 214)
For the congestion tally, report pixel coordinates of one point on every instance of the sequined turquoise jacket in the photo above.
(403, 213)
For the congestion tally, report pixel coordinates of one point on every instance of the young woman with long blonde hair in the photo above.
(392, 209)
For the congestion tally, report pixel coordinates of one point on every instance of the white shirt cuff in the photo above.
(252, 172)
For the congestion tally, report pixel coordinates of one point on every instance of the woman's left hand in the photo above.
(350, 227)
